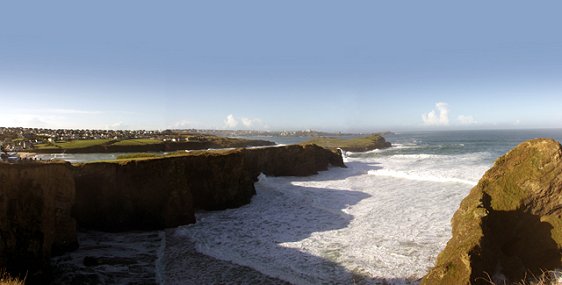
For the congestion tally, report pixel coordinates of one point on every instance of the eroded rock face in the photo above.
(510, 225)
(141, 195)
(39, 200)
(164, 192)
(35, 222)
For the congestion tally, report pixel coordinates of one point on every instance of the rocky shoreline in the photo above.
(507, 229)
(126, 195)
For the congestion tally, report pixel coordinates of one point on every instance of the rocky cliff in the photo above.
(35, 222)
(510, 225)
(39, 200)
(359, 144)
(164, 192)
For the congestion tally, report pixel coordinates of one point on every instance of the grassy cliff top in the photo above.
(74, 144)
(371, 142)
(146, 144)
(132, 157)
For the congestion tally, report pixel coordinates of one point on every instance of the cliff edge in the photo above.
(156, 193)
(360, 144)
(510, 225)
(39, 201)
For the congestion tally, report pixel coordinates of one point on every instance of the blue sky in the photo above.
(327, 65)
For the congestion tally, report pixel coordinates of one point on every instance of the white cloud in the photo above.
(254, 123)
(230, 121)
(466, 120)
(438, 116)
(248, 123)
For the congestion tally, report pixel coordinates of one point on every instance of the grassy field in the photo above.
(139, 155)
(354, 144)
(73, 144)
(144, 144)
(137, 142)
(76, 144)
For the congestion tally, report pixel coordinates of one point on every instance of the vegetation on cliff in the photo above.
(510, 225)
(146, 144)
(7, 279)
(360, 144)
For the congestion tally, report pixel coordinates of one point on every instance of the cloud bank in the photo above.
(232, 122)
(438, 116)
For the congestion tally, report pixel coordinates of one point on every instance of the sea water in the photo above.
(384, 218)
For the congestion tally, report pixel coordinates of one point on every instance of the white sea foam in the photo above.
(357, 225)
(414, 176)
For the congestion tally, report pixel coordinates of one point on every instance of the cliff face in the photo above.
(292, 160)
(35, 221)
(510, 225)
(136, 195)
(39, 200)
(164, 192)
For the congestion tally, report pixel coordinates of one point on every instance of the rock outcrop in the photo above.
(360, 144)
(35, 205)
(164, 192)
(510, 225)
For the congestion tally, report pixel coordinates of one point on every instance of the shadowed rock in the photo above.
(510, 225)
(164, 192)
(37, 199)
(35, 221)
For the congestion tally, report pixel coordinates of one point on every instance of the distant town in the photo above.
(20, 139)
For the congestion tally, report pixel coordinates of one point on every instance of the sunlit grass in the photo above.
(6, 279)
(137, 142)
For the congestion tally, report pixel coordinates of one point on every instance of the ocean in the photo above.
(382, 220)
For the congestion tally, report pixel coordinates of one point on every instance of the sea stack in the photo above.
(510, 225)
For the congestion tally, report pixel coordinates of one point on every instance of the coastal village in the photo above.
(20, 139)
(25, 139)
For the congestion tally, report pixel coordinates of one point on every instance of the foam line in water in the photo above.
(417, 177)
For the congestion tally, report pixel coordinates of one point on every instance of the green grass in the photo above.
(45, 146)
(368, 142)
(124, 159)
(76, 144)
(137, 142)
(139, 155)
(81, 143)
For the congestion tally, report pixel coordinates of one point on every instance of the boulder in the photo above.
(510, 225)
